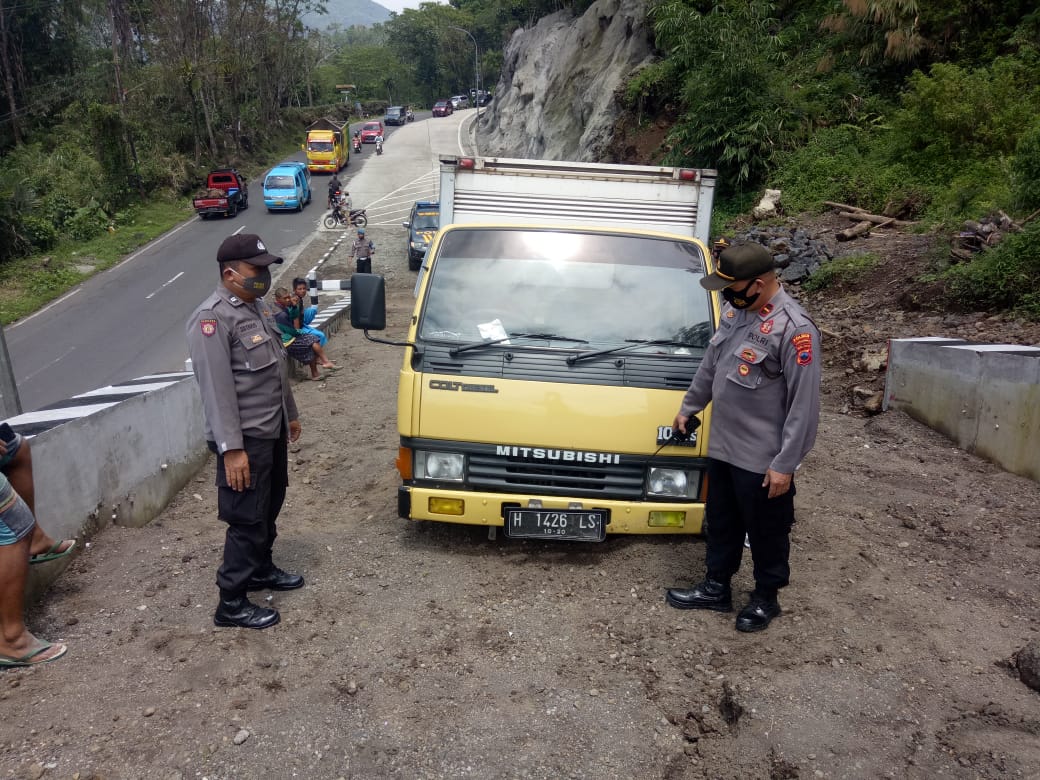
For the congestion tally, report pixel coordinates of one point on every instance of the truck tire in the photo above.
(414, 263)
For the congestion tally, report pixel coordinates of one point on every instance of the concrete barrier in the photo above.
(118, 454)
(985, 397)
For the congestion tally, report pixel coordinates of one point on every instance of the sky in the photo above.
(400, 5)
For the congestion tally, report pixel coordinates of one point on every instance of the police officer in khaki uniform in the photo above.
(238, 360)
(761, 373)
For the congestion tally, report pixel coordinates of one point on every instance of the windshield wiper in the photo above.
(544, 336)
(631, 344)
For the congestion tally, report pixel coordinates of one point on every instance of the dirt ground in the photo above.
(429, 651)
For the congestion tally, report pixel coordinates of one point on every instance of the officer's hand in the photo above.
(295, 429)
(236, 469)
(777, 483)
(679, 423)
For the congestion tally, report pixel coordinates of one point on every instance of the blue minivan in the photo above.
(287, 186)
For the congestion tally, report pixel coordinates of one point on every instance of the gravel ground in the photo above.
(428, 651)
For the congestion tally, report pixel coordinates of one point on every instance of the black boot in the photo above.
(708, 594)
(274, 579)
(758, 613)
(240, 612)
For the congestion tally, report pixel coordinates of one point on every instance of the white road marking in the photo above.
(243, 227)
(63, 355)
(165, 284)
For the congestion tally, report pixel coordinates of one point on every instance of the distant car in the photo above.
(483, 98)
(443, 108)
(459, 101)
(422, 224)
(395, 115)
(370, 131)
(287, 186)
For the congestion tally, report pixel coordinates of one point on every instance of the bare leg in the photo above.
(20, 475)
(15, 639)
(313, 365)
(325, 362)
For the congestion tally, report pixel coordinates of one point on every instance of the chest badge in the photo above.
(208, 327)
(748, 355)
(730, 314)
(766, 310)
(743, 369)
(766, 327)
(257, 338)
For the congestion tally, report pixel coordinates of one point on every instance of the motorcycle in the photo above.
(340, 218)
(379, 144)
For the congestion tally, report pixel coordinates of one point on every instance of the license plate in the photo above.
(579, 525)
(279, 203)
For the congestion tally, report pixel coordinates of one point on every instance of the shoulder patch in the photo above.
(802, 343)
(208, 327)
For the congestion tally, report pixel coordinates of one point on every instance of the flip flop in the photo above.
(54, 552)
(27, 659)
(332, 368)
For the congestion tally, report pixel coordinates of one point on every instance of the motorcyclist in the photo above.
(379, 144)
(335, 185)
(357, 141)
(341, 205)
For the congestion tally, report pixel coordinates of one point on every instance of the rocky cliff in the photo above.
(557, 98)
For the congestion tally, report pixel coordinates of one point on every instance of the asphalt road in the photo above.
(128, 321)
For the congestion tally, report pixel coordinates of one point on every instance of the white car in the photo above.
(459, 101)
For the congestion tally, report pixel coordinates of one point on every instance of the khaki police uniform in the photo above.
(761, 373)
(238, 360)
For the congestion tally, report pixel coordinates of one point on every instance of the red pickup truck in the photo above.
(227, 191)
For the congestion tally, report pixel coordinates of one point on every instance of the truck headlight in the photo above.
(670, 482)
(441, 466)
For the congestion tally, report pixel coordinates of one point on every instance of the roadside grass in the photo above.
(28, 283)
(31, 282)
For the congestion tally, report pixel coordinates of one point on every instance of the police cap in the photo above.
(739, 263)
(247, 247)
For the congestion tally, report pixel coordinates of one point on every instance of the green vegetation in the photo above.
(845, 270)
(1007, 277)
(921, 109)
(918, 109)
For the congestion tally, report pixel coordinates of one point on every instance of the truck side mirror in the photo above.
(367, 302)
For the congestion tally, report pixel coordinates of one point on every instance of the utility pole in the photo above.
(10, 405)
(476, 77)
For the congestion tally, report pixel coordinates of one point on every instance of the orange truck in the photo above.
(326, 147)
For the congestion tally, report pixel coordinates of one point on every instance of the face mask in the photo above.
(256, 285)
(740, 300)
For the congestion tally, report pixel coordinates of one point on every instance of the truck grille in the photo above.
(506, 474)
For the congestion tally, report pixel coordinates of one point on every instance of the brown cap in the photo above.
(739, 263)
(247, 247)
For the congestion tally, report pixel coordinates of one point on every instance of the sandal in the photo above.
(54, 552)
(33, 658)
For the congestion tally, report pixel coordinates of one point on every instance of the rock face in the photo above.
(557, 96)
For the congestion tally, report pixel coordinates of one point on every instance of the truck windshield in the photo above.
(319, 146)
(606, 289)
(279, 183)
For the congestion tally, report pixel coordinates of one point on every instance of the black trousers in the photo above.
(738, 504)
(364, 265)
(251, 515)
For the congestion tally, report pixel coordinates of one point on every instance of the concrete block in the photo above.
(935, 386)
(1009, 411)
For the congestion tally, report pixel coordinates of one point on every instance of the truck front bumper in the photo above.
(488, 509)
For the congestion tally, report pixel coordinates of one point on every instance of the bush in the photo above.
(1005, 278)
(40, 232)
(1026, 170)
(88, 222)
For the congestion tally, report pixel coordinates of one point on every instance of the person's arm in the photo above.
(209, 345)
(800, 355)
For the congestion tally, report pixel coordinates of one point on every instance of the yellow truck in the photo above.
(326, 147)
(558, 323)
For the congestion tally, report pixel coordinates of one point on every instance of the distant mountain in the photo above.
(348, 13)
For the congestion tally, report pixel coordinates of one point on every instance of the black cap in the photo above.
(739, 263)
(247, 247)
